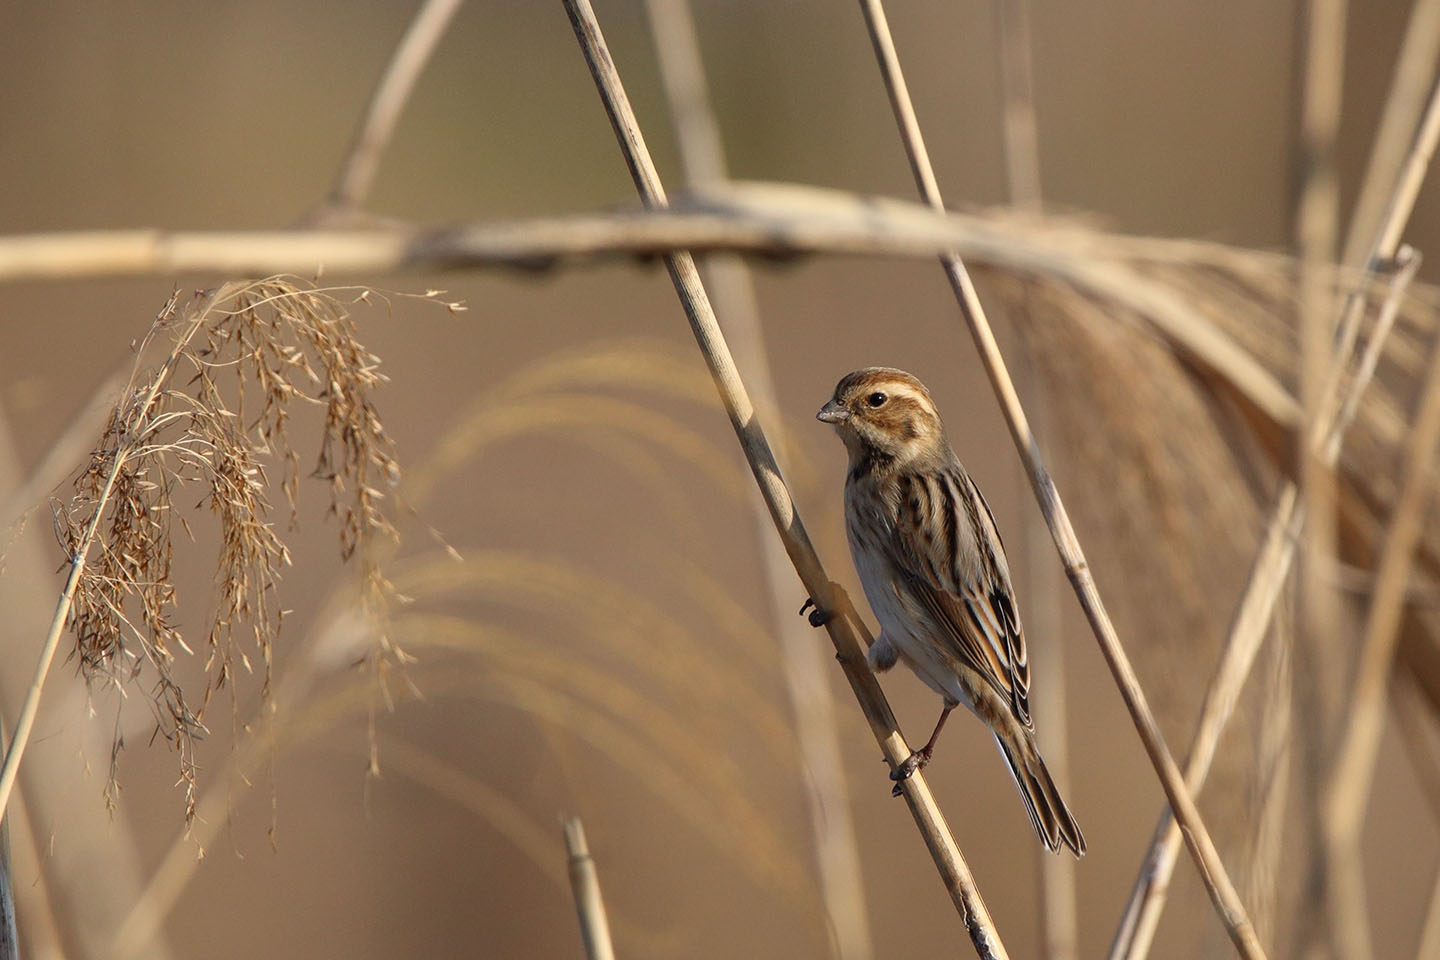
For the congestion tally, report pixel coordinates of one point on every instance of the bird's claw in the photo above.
(818, 617)
(907, 770)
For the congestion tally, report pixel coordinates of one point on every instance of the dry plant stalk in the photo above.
(251, 351)
(839, 617)
(1347, 791)
(1316, 646)
(1272, 563)
(1404, 103)
(1135, 934)
(1213, 874)
(1058, 909)
(409, 59)
(585, 884)
(804, 667)
(9, 934)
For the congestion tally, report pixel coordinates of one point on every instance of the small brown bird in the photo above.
(933, 567)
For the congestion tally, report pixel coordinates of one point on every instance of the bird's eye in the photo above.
(876, 399)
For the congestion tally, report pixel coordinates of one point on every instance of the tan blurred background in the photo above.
(1174, 119)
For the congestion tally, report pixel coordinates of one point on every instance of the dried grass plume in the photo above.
(211, 416)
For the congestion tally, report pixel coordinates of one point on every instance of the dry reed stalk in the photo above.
(9, 937)
(1273, 775)
(131, 414)
(1407, 181)
(1058, 909)
(842, 887)
(841, 622)
(1059, 922)
(281, 342)
(521, 580)
(1404, 104)
(1347, 788)
(36, 899)
(1017, 85)
(1212, 871)
(1318, 667)
(95, 868)
(585, 884)
(1272, 564)
(1269, 572)
(357, 172)
(509, 819)
(758, 218)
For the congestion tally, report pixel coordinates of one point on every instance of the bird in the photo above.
(933, 567)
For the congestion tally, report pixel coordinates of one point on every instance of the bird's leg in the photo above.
(818, 617)
(920, 757)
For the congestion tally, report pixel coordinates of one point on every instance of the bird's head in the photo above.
(884, 414)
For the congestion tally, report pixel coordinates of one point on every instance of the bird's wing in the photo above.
(973, 603)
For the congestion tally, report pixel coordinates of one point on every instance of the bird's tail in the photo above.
(1048, 813)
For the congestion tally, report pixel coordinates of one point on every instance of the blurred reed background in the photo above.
(579, 576)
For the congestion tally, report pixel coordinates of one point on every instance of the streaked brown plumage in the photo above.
(933, 568)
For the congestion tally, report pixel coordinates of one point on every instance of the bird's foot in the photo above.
(818, 617)
(907, 770)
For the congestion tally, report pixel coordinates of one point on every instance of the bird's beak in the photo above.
(833, 412)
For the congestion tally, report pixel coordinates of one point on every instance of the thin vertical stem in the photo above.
(1316, 232)
(844, 626)
(1272, 564)
(1317, 667)
(1212, 870)
(1058, 900)
(1017, 85)
(1348, 789)
(1059, 914)
(1268, 574)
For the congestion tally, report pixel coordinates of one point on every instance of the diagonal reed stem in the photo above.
(1267, 577)
(1404, 103)
(422, 36)
(1059, 914)
(1272, 563)
(1347, 791)
(843, 624)
(1207, 858)
(702, 154)
(81, 552)
(9, 938)
(585, 884)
